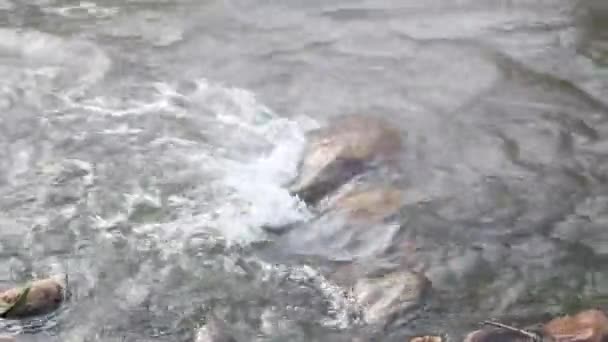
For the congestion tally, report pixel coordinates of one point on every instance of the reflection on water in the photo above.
(145, 145)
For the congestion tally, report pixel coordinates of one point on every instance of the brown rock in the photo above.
(586, 326)
(40, 297)
(339, 152)
(371, 205)
(384, 296)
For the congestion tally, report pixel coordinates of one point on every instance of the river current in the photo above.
(144, 145)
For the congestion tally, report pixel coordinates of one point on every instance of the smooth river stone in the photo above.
(344, 149)
(44, 296)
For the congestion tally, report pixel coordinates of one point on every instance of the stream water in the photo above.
(145, 143)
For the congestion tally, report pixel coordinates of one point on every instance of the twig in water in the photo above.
(533, 337)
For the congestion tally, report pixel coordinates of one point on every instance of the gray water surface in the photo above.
(145, 143)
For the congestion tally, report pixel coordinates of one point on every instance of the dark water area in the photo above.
(145, 144)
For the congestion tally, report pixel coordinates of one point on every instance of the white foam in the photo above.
(242, 187)
(256, 196)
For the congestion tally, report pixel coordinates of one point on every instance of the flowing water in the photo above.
(145, 143)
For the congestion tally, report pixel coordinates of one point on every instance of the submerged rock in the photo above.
(372, 205)
(383, 298)
(346, 148)
(38, 298)
(356, 224)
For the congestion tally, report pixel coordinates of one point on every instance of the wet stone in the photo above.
(337, 153)
(387, 296)
(39, 298)
(372, 205)
(353, 224)
(585, 326)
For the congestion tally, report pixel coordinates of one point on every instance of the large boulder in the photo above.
(345, 148)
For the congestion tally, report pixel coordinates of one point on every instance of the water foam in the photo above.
(246, 157)
(257, 196)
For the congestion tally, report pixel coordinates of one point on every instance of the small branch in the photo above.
(532, 336)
